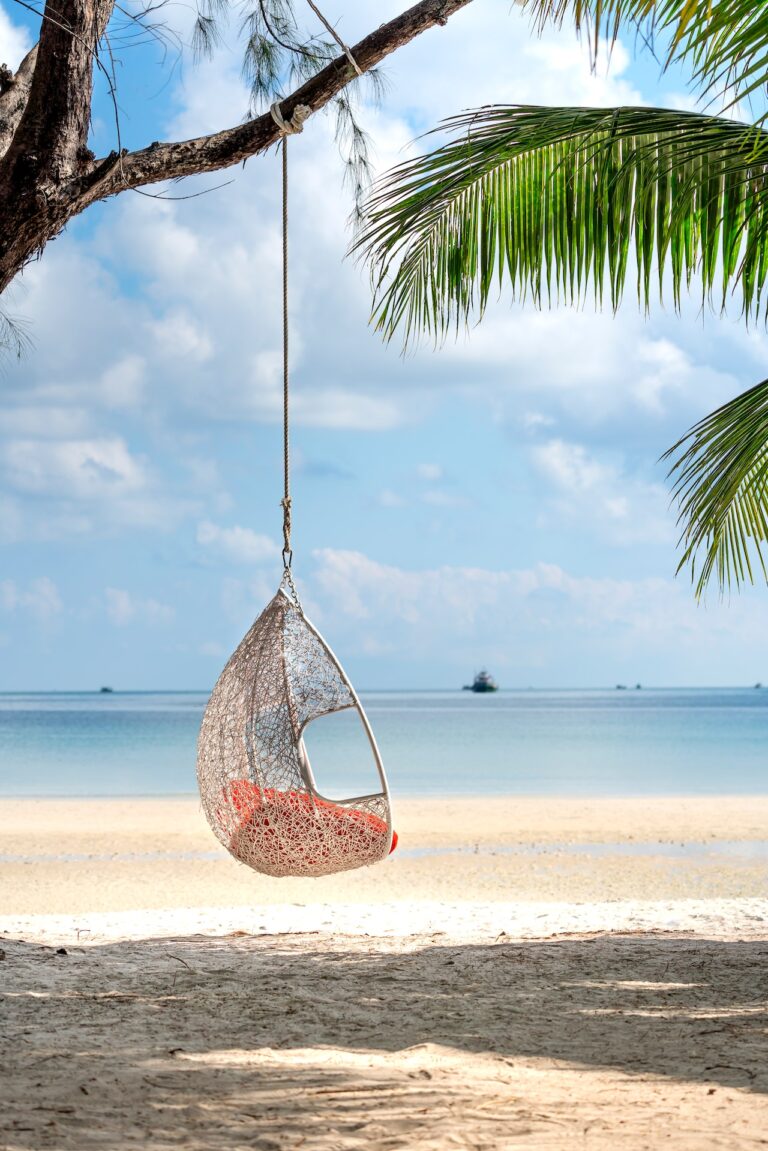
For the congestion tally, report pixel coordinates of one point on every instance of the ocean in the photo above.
(602, 742)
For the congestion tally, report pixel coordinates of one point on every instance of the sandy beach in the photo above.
(521, 973)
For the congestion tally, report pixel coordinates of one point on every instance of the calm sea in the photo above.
(558, 742)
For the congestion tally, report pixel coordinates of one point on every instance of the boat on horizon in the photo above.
(482, 682)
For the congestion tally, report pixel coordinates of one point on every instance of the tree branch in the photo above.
(47, 175)
(14, 99)
(53, 128)
(170, 161)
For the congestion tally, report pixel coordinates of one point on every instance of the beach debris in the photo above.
(2, 953)
(61, 951)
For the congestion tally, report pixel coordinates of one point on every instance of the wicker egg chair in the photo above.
(254, 774)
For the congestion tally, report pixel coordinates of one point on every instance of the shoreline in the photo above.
(67, 856)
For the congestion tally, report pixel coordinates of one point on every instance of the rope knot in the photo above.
(285, 504)
(295, 122)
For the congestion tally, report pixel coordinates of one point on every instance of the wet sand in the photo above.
(73, 856)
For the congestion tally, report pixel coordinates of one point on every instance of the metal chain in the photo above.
(286, 500)
(289, 587)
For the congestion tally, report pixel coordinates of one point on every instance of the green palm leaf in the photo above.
(724, 42)
(721, 483)
(554, 200)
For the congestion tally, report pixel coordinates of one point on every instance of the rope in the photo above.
(329, 27)
(286, 501)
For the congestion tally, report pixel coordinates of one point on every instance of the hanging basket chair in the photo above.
(256, 783)
(254, 774)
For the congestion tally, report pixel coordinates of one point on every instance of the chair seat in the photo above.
(297, 833)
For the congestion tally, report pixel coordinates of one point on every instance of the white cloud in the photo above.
(244, 599)
(40, 598)
(123, 608)
(15, 41)
(570, 467)
(80, 469)
(601, 497)
(594, 368)
(389, 499)
(237, 544)
(430, 472)
(667, 369)
(531, 421)
(213, 649)
(539, 622)
(347, 410)
(51, 421)
(177, 335)
(122, 384)
(440, 498)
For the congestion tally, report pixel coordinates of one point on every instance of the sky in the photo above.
(494, 502)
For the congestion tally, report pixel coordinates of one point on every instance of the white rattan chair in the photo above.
(256, 783)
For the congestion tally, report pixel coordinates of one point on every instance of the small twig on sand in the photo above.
(180, 960)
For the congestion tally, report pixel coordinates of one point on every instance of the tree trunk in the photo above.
(47, 173)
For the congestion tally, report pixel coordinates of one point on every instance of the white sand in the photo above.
(391, 1008)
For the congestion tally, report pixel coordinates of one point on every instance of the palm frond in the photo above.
(725, 42)
(554, 199)
(720, 478)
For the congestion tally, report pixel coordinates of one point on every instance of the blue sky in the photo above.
(496, 502)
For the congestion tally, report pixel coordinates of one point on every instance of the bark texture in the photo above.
(47, 174)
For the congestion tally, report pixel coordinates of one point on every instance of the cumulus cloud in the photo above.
(535, 624)
(236, 544)
(15, 41)
(177, 335)
(124, 608)
(83, 469)
(570, 466)
(121, 385)
(389, 499)
(430, 472)
(40, 598)
(599, 495)
(440, 498)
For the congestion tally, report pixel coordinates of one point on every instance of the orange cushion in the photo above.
(288, 811)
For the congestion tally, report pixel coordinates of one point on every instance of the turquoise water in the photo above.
(536, 742)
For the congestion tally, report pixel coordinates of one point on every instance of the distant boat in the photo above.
(106, 690)
(482, 682)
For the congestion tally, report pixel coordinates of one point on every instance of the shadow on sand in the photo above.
(231, 1041)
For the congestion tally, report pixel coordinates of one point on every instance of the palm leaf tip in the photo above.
(724, 43)
(720, 482)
